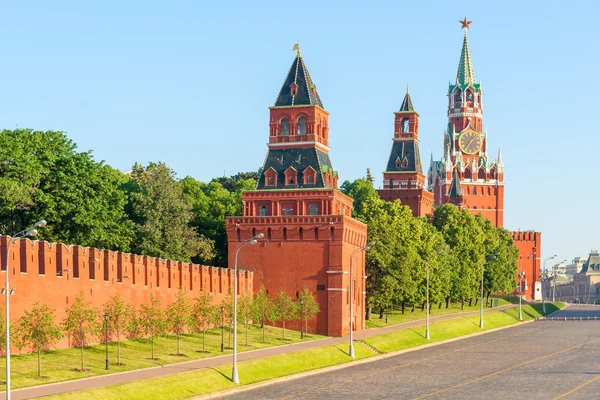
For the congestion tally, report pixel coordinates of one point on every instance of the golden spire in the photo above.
(297, 48)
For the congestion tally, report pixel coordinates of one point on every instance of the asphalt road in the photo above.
(540, 360)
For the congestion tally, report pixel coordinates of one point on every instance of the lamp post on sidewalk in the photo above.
(427, 336)
(366, 248)
(222, 329)
(544, 272)
(554, 280)
(234, 371)
(7, 291)
(106, 327)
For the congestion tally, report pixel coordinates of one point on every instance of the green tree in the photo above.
(204, 314)
(262, 308)
(179, 314)
(81, 200)
(26, 156)
(227, 305)
(80, 323)
(244, 309)
(466, 239)
(39, 331)
(152, 319)
(308, 309)
(162, 216)
(120, 315)
(211, 203)
(284, 309)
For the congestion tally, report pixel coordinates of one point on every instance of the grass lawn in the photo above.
(209, 380)
(62, 365)
(394, 315)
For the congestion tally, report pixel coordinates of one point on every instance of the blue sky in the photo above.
(190, 82)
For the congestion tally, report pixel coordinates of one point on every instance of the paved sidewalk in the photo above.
(136, 375)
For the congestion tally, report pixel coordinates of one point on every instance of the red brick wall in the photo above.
(528, 243)
(291, 257)
(419, 200)
(55, 273)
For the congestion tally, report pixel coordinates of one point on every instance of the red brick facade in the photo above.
(55, 273)
(529, 244)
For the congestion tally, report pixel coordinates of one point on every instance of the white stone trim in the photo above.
(337, 272)
(336, 289)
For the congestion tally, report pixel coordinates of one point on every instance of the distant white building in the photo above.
(575, 267)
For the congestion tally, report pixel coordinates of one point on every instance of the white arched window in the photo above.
(405, 125)
(301, 126)
(284, 127)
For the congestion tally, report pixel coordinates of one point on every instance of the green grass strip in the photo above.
(188, 384)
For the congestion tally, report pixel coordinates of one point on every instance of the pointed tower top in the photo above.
(455, 190)
(298, 88)
(465, 74)
(500, 157)
(407, 105)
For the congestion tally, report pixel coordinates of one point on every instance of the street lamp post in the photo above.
(366, 248)
(521, 276)
(234, 371)
(554, 281)
(427, 336)
(222, 329)
(481, 300)
(301, 319)
(543, 302)
(7, 291)
(106, 342)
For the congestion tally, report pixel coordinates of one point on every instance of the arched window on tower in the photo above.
(284, 127)
(468, 174)
(481, 174)
(469, 96)
(474, 191)
(301, 126)
(405, 125)
(457, 97)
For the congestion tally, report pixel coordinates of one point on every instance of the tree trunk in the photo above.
(440, 306)
(476, 301)
(368, 314)
(462, 305)
(229, 335)
(246, 333)
(381, 312)
(204, 340)
(82, 356)
(403, 307)
(283, 327)
(423, 306)
(487, 300)
(448, 300)
(178, 347)
(471, 302)
(263, 326)
(39, 364)
(118, 350)
(413, 308)
(430, 305)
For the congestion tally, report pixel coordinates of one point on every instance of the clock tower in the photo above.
(466, 176)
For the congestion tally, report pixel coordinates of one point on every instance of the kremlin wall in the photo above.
(54, 274)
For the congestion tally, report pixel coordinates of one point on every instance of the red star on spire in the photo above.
(465, 24)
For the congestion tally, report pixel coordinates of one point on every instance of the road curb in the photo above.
(216, 395)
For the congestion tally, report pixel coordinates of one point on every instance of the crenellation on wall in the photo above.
(133, 277)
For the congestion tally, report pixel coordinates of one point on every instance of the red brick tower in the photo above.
(309, 234)
(403, 178)
(466, 148)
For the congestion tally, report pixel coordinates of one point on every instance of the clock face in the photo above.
(470, 142)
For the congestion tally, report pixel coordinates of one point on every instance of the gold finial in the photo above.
(407, 88)
(465, 24)
(297, 48)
